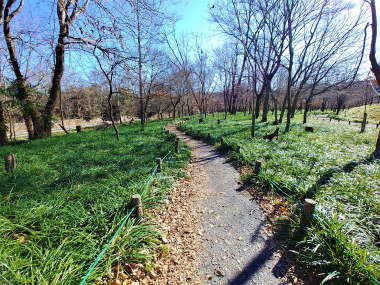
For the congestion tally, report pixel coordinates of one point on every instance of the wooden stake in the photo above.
(218, 122)
(177, 148)
(79, 129)
(10, 162)
(136, 202)
(159, 164)
(258, 165)
(308, 212)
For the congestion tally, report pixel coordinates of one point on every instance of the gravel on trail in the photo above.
(236, 245)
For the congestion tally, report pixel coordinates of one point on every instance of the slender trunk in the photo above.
(12, 130)
(110, 109)
(364, 122)
(266, 102)
(61, 114)
(253, 116)
(56, 81)
(283, 107)
(294, 104)
(141, 95)
(291, 58)
(275, 111)
(305, 112)
(27, 108)
(3, 126)
(377, 150)
(257, 106)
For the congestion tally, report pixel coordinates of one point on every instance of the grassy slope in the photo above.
(329, 165)
(356, 114)
(68, 194)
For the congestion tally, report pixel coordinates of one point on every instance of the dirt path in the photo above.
(235, 246)
(70, 125)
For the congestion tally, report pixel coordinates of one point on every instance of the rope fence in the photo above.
(123, 221)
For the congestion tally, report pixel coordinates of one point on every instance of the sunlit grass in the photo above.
(67, 196)
(332, 166)
(357, 114)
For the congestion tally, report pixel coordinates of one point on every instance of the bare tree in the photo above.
(39, 122)
(375, 67)
(109, 64)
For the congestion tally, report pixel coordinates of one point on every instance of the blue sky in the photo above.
(194, 19)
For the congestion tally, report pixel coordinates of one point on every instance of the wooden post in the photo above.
(349, 122)
(177, 149)
(136, 202)
(377, 126)
(79, 129)
(308, 212)
(10, 162)
(218, 122)
(258, 165)
(209, 136)
(159, 164)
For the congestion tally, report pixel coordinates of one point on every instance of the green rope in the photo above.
(106, 247)
(121, 226)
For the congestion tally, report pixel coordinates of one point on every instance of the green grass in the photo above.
(332, 166)
(356, 114)
(67, 196)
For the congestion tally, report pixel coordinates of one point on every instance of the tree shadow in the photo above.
(207, 158)
(255, 264)
(326, 177)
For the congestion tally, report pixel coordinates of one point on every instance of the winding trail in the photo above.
(236, 247)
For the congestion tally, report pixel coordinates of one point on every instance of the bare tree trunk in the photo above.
(61, 114)
(266, 102)
(305, 112)
(377, 150)
(283, 107)
(257, 106)
(27, 108)
(275, 111)
(253, 116)
(3, 126)
(374, 64)
(110, 108)
(290, 70)
(375, 67)
(59, 67)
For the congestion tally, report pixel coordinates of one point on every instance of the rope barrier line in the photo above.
(106, 247)
(149, 181)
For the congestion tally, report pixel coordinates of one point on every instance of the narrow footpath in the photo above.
(235, 247)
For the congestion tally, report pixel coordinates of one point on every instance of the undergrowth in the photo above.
(69, 193)
(332, 165)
